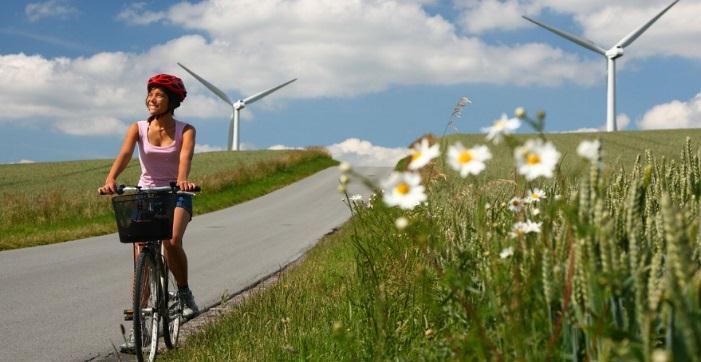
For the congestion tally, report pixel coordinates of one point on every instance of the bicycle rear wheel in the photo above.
(146, 313)
(173, 315)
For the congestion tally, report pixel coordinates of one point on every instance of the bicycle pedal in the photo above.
(128, 315)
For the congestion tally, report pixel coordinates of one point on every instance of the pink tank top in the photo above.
(159, 165)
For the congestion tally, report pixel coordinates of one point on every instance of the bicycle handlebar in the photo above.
(121, 189)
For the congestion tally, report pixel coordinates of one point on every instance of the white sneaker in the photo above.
(129, 346)
(187, 301)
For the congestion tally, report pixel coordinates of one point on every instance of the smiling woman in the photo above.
(166, 147)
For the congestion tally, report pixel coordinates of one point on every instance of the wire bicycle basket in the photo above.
(144, 216)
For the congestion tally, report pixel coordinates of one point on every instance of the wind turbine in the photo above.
(611, 55)
(233, 142)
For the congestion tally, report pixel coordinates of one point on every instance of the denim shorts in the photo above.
(184, 201)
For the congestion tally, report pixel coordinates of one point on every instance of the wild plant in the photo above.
(601, 266)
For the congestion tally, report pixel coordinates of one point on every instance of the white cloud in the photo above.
(92, 127)
(602, 21)
(136, 14)
(585, 130)
(363, 153)
(674, 114)
(22, 161)
(622, 121)
(309, 39)
(676, 33)
(481, 16)
(200, 148)
(247, 46)
(61, 91)
(49, 9)
(283, 147)
(247, 146)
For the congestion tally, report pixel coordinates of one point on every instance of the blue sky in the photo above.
(373, 75)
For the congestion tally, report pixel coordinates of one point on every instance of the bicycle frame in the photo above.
(152, 301)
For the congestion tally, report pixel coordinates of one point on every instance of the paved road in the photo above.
(63, 302)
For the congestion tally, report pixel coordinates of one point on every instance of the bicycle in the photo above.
(145, 217)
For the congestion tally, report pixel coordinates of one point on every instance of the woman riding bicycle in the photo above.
(166, 146)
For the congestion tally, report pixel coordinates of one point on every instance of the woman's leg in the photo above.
(174, 252)
(177, 261)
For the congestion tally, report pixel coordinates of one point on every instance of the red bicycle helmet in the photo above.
(171, 83)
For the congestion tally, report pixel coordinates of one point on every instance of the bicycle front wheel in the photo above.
(173, 315)
(146, 312)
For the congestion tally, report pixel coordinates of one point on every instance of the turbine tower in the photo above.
(233, 142)
(611, 55)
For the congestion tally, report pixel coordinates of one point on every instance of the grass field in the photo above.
(620, 152)
(614, 272)
(45, 203)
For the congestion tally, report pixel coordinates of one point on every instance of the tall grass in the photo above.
(53, 202)
(614, 273)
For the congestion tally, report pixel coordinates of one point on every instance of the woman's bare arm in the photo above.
(122, 160)
(186, 153)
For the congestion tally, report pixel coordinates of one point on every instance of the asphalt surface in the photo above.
(64, 302)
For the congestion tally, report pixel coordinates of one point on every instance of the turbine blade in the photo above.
(571, 37)
(209, 85)
(264, 93)
(636, 33)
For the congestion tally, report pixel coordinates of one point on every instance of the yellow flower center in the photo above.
(415, 155)
(402, 188)
(535, 196)
(465, 157)
(532, 159)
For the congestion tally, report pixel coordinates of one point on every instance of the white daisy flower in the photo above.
(515, 204)
(533, 227)
(401, 223)
(520, 112)
(403, 189)
(468, 161)
(507, 252)
(535, 195)
(589, 150)
(518, 229)
(536, 158)
(344, 166)
(422, 154)
(501, 127)
(521, 228)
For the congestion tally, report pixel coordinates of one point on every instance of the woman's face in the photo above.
(157, 101)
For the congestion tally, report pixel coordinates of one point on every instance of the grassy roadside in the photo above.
(30, 215)
(298, 318)
(444, 289)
